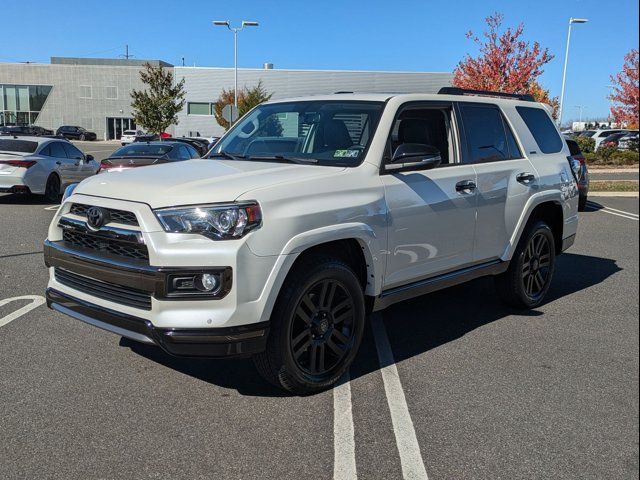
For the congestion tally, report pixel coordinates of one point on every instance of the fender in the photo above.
(539, 198)
(361, 232)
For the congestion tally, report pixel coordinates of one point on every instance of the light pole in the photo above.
(235, 30)
(566, 60)
(581, 108)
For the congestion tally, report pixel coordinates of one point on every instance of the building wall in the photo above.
(206, 84)
(74, 80)
(66, 104)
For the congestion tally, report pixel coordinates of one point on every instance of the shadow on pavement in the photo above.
(23, 199)
(413, 327)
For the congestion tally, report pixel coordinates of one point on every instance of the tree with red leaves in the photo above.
(506, 63)
(625, 92)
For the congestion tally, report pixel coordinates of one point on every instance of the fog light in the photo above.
(206, 282)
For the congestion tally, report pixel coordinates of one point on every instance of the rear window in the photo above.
(574, 149)
(542, 129)
(18, 146)
(142, 150)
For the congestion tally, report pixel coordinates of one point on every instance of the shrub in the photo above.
(586, 144)
(605, 152)
(624, 157)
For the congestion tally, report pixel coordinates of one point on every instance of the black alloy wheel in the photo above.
(322, 330)
(52, 188)
(536, 266)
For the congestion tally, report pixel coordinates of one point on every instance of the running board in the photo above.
(432, 284)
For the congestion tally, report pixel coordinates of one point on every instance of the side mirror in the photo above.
(414, 156)
(88, 158)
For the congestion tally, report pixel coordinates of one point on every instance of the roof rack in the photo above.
(463, 91)
(341, 92)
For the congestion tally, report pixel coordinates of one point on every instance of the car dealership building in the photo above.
(95, 93)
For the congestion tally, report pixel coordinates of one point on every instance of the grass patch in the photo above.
(613, 186)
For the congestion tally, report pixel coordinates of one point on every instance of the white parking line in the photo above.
(36, 301)
(52, 208)
(408, 447)
(344, 447)
(612, 211)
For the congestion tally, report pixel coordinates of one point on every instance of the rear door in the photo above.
(505, 177)
(65, 166)
(83, 169)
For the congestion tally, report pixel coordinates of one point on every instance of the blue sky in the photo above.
(327, 34)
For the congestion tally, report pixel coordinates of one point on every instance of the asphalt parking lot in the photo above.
(453, 384)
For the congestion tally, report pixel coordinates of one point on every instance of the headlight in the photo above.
(68, 192)
(218, 222)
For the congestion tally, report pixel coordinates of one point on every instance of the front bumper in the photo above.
(237, 341)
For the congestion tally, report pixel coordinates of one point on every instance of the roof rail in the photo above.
(463, 91)
(341, 92)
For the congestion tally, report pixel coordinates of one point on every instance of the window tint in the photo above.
(542, 129)
(574, 149)
(46, 151)
(57, 150)
(181, 153)
(72, 152)
(514, 149)
(485, 133)
(21, 146)
(193, 153)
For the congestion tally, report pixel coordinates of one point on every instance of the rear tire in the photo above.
(316, 327)
(52, 189)
(582, 203)
(82, 138)
(528, 278)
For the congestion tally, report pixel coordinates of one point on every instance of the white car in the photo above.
(601, 134)
(311, 213)
(42, 166)
(129, 136)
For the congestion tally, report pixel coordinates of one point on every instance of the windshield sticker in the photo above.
(346, 153)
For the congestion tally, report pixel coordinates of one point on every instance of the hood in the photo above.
(196, 181)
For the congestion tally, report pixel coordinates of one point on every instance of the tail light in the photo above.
(19, 163)
(104, 166)
(581, 159)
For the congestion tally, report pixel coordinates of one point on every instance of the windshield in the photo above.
(18, 146)
(142, 150)
(323, 132)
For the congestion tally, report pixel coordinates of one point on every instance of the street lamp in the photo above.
(566, 59)
(235, 30)
(581, 108)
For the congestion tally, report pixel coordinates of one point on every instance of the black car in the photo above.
(140, 154)
(200, 144)
(71, 132)
(31, 130)
(583, 177)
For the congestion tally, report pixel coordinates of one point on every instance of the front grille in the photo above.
(107, 291)
(115, 216)
(105, 245)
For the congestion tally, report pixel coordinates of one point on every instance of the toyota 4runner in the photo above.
(308, 215)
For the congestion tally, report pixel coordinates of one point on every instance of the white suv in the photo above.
(311, 213)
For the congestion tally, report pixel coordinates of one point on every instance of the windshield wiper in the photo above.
(227, 155)
(283, 158)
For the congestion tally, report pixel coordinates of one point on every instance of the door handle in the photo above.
(465, 186)
(58, 163)
(525, 178)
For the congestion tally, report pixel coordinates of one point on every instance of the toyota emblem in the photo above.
(96, 218)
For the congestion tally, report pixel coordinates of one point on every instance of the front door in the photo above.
(431, 213)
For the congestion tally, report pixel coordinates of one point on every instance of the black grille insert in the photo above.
(116, 216)
(105, 245)
(107, 291)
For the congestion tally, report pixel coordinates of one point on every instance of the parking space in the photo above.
(450, 385)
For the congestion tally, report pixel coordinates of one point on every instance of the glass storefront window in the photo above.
(10, 98)
(195, 108)
(21, 104)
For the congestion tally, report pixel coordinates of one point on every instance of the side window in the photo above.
(181, 153)
(193, 153)
(514, 149)
(73, 152)
(46, 151)
(485, 132)
(542, 129)
(57, 150)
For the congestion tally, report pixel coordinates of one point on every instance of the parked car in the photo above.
(42, 166)
(199, 144)
(583, 174)
(629, 141)
(30, 130)
(129, 136)
(282, 246)
(600, 135)
(71, 132)
(612, 140)
(148, 153)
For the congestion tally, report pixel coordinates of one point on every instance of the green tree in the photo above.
(157, 107)
(247, 99)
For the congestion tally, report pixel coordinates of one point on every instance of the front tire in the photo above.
(316, 327)
(82, 138)
(528, 278)
(52, 189)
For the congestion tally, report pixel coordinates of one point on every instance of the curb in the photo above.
(613, 194)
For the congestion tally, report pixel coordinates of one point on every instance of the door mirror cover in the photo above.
(414, 156)
(88, 158)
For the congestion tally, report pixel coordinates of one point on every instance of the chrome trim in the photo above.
(112, 233)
